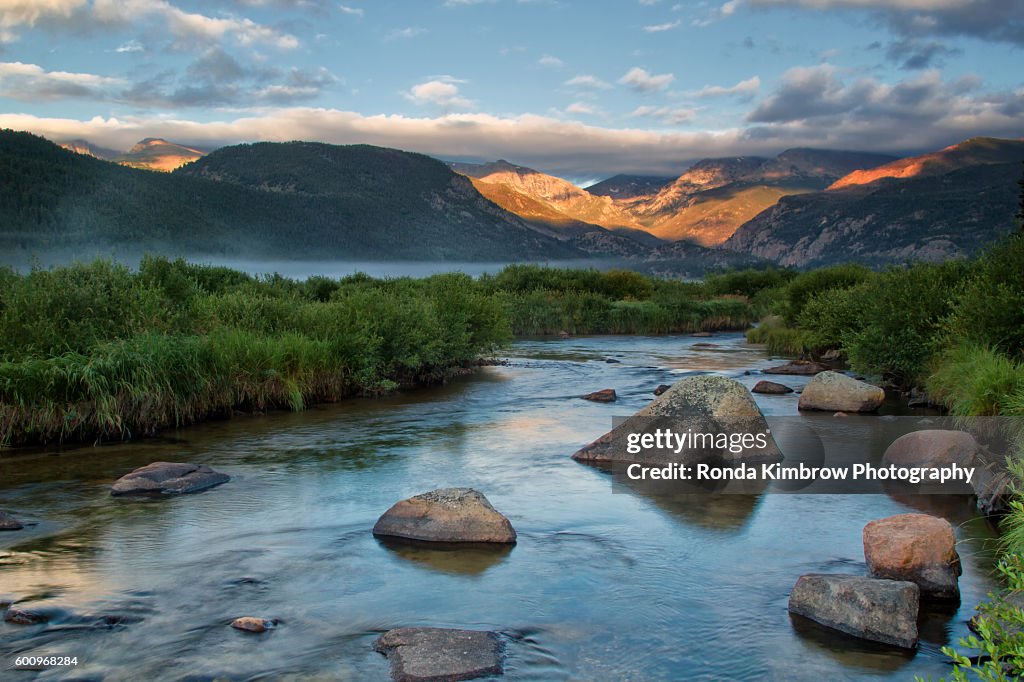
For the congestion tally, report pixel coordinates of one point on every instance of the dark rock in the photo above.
(613, 361)
(804, 368)
(879, 610)
(917, 548)
(251, 624)
(8, 522)
(771, 388)
(24, 617)
(606, 395)
(662, 388)
(706, 404)
(932, 448)
(441, 655)
(832, 391)
(168, 478)
(446, 515)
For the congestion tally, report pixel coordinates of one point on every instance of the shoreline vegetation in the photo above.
(99, 352)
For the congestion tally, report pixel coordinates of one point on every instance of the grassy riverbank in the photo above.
(100, 352)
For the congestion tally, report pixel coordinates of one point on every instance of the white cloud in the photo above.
(551, 62)
(130, 46)
(587, 82)
(30, 82)
(666, 115)
(408, 32)
(659, 28)
(442, 92)
(17, 13)
(580, 108)
(640, 80)
(745, 88)
(354, 11)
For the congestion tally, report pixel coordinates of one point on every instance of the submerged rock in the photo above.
(24, 617)
(705, 404)
(440, 654)
(917, 548)
(251, 624)
(446, 515)
(879, 610)
(8, 522)
(606, 395)
(832, 391)
(771, 388)
(804, 368)
(168, 478)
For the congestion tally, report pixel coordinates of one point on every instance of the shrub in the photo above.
(988, 309)
(977, 381)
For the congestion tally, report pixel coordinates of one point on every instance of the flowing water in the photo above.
(601, 586)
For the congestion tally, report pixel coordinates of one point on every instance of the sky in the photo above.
(580, 89)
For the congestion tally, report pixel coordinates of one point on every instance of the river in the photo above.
(601, 586)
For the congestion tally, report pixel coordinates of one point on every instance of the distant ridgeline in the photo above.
(306, 200)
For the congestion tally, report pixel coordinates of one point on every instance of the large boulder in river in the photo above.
(835, 392)
(446, 515)
(879, 610)
(440, 654)
(915, 547)
(8, 522)
(706, 404)
(168, 478)
(932, 448)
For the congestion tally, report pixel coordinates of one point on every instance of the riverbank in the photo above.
(99, 352)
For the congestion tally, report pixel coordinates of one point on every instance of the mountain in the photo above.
(80, 146)
(629, 186)
(290, 200)
(555, 193)
(158, 154)
(935, 206)
(712, 198)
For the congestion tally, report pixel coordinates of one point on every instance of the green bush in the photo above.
(988, 308)
(806, 285)
(977, 381)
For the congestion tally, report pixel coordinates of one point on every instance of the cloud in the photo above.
(641, 81)
(744, 89)
(551, 62)
(666, 115)
(130, 46)
(570, 147)
(408, 32)
(910, 54)
(993, 20)
(30, 82)
(587, 82)
(442, 93)
(580, 108)
(187, 28)
(354, 11)
(658, 28)
(464, 3)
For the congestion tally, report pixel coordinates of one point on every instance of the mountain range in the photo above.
(803, 207)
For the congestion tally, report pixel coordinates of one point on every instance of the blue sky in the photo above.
(580, 89)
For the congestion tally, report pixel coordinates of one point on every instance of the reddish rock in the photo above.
(606, 395)
(23, 617)
(251, 624)
(771, 388)
(804, 368)
(446, 515)
(932, 448)
(917, 548)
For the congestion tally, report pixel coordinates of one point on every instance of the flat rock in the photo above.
(8, 522)
(771, 388)
(832, 392)
(705, 404)
(917, 548)
(24, 617)
(251, 624)
(441, 655)
(878, 610)
(606, 395)
(804, 368)
(446, 515)
(168, 478)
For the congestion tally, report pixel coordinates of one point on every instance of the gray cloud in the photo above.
(910, 54)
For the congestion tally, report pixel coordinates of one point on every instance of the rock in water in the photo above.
(932, 448)
(917, 548)
(606, 395)
(662, 388)
(440, 655)
(705, 404)
(251, 624)
(832, 391)
(879, 610)
(168, 478)
(771, 388)
(23, 617)
(446, 515)
(803, 368)
(8, 522)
